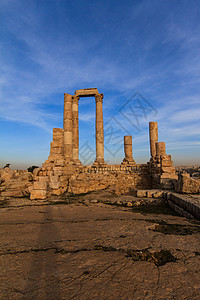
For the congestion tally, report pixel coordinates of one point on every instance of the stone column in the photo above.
(67, 126)
(99, 131)
(153, 136)
(128, 150)
(75, 131)
(160, 149)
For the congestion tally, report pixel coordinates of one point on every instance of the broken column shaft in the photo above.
(153, 136)
(128, 150)
(160, 149)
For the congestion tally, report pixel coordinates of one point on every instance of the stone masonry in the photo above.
(161, 167)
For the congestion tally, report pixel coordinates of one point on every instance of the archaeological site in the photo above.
(99, 231)
(63, 171)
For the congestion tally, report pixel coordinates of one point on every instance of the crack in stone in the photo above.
(47, 221)
(158, 258)
(175, 229)
(160, 222)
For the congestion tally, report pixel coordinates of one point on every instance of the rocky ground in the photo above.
(97, 246)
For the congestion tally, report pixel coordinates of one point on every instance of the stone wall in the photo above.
(120, 181)
(187, 185)
(83, 179)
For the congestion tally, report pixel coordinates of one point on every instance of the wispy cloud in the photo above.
(47, 50)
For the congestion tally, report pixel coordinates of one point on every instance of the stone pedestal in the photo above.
(128, 160)
(99, 131)
(153, 136)
(75, 131)
(67, 126)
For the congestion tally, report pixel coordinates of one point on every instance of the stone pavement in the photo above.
(83, 249)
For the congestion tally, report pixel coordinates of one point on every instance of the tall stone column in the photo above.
(153, 136)
(67, 126)
(128, 150)
(160, 149)
(75, 131)
(99, 131)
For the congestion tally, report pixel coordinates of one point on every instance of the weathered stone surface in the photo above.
(38, 194)
(96, 251)
(187, 185)
(40, 185)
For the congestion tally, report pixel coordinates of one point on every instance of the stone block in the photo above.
(43, 178)
(165, 163)
(150, 193)
(141, 193)
(54, 178)
(58, 173)
(56, 192)
(168, 176)
(58, 150)
(59, 162)
(38, 194)
(39, 185)
(158, 194)
(168, 170)
(57, 144)
(52, 157)
(54, 184)
(50, 173)
(58, 168)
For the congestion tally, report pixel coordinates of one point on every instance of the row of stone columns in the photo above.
(71, 129)
(71, 134)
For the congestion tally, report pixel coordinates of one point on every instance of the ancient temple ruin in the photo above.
(64, 172)
(71, 127)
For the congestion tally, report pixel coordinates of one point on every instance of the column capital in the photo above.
(99, 98)
(75, 99)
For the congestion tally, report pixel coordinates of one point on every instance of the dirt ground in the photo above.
(81, 248)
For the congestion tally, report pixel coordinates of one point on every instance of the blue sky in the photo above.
(144, 56)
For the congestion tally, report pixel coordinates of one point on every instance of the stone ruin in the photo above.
(64, 172)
